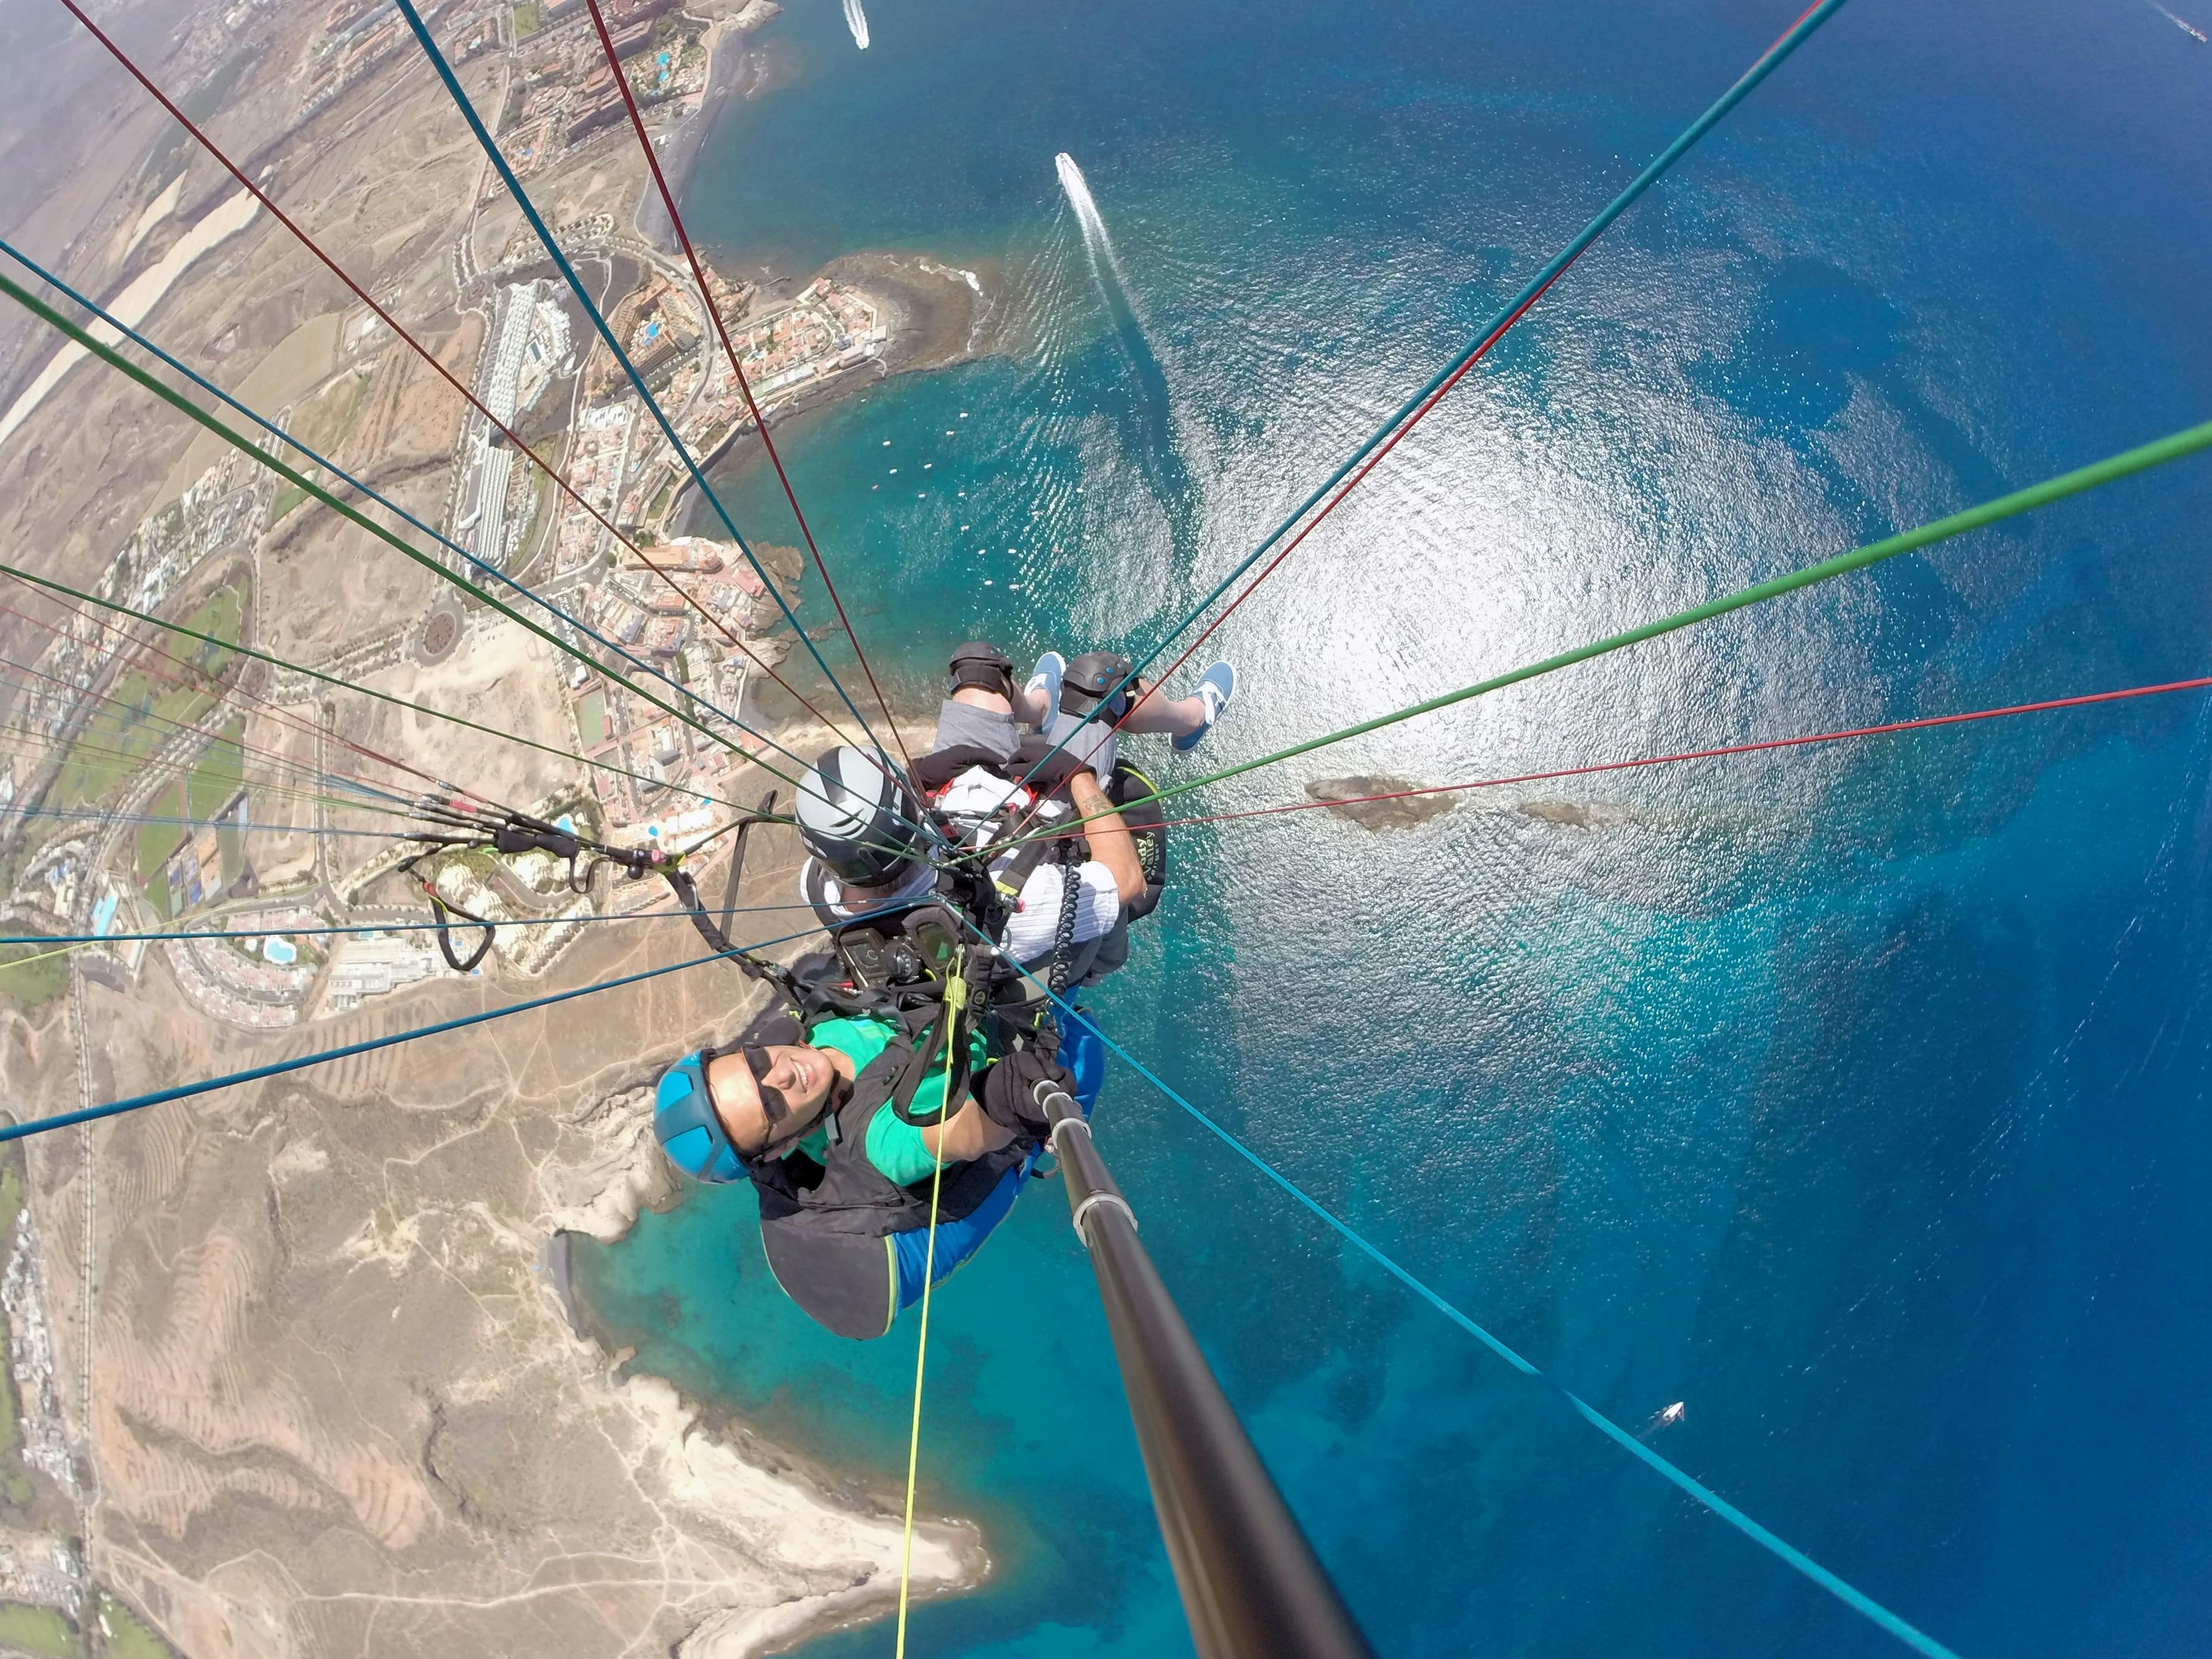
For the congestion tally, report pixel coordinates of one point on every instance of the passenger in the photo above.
(857, 822)
(845, 1170)
(1059, 698)
(842, 1126)
(853, 820)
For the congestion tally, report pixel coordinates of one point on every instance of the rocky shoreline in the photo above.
(635, 1178)
(934, 316)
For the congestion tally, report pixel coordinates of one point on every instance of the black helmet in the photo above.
(858, 819)
(978, 663)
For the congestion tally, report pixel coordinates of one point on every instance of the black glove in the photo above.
(1011, 1094)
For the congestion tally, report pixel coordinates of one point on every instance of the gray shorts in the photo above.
(962, 723)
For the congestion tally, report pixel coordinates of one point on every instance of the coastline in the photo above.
(702, 1430)
(935, 316)
(733, 71)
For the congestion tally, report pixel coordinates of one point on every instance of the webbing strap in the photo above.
(955, 1083)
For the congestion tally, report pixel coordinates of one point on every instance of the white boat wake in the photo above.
(1096, 242)
(1152, 437)
(857, 21)
(2186, 28)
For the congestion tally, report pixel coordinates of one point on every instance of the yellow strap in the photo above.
(25, 962)
(956, 999)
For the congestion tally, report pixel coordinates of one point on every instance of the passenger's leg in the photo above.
(1175, 717)
(1035, 703)
(1185, 719)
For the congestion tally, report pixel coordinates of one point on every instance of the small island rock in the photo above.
(1343, 797)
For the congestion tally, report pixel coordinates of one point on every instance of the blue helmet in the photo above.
(690, 1129)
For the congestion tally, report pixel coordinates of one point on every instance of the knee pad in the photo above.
(982, 665)
(1089, 678)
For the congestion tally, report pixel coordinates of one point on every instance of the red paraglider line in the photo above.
(1922, 724)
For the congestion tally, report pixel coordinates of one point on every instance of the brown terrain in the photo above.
(298, 1355)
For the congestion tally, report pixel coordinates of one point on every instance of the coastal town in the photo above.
(201, 817)
(180, 842)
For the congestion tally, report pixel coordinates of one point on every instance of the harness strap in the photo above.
(1010, 880)
(687, 895)
(440, 907)
(950, 1029)
(920, 1054)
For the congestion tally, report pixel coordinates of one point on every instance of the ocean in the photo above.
(1852, 1097)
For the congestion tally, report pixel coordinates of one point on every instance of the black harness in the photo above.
(830, 1223)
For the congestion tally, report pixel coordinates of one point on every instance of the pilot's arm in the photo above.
(1111, 843)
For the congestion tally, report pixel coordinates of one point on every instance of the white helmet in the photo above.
(857, 817)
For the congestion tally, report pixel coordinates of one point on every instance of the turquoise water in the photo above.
(1853, 1096)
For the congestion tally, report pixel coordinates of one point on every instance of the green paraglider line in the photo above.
(2110, 469)
(183, 119)
(2125, 464)
(23, 296)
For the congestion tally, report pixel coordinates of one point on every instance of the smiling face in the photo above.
(803, 1076)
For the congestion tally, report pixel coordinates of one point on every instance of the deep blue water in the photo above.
(1854, 1096)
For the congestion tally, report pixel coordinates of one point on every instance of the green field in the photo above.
(592, 719)
(155, 841)
(324, 423)
(217, 778)
(127, 1638)
(11, 1196)
(32, 974)
(231, 846)
(525, 22)
(14, 1482)
(356, 398)
(288, 496)
(38, 1630)
(131, 726)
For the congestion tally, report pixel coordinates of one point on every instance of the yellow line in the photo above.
(955, 1004)
(25, 962)
(920, 1356)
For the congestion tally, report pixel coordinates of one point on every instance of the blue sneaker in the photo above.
(1215, 688)
(1051, 669)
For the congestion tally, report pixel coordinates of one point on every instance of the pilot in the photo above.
(850, 1175)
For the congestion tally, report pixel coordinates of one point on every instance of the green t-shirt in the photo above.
(895, 1146)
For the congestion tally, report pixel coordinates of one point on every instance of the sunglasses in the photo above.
(773, 1105)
